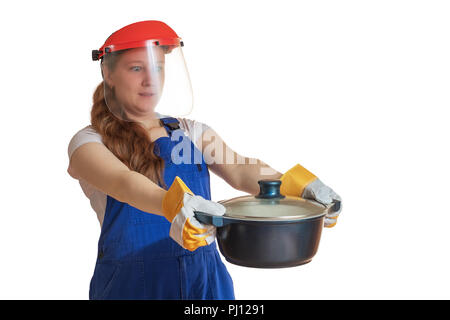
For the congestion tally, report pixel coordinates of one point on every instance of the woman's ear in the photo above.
(106, 74)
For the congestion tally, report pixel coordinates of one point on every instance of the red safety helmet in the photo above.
(150, 79)
(137, 35)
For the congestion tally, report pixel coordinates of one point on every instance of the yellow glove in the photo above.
(299, 182)
(178, 206)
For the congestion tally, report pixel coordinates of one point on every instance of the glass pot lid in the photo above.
(269, 204)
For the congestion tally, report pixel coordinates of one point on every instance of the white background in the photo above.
(355, 91)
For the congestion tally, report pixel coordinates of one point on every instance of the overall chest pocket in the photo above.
(195, 176)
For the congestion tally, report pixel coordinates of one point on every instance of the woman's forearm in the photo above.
(251, 172)
(142, 193)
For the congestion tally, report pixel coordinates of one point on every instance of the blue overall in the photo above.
(136, 257)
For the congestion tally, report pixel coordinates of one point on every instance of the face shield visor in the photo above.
(147, 79)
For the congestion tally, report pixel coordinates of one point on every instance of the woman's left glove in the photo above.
(300, 182)
(179, 205)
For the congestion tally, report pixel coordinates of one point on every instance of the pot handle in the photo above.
(334, 206)
(216, 221)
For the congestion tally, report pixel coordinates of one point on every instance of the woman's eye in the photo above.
(139, 68)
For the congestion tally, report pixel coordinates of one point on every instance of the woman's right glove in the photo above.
(178, 206)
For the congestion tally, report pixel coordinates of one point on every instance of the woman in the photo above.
(146, 173)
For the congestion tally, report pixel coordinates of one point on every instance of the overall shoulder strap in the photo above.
(170, 124)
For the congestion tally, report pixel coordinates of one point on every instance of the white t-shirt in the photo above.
(192, 129)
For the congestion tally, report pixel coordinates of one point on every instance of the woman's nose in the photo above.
(146, 80)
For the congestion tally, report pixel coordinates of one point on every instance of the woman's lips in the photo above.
(146, 94)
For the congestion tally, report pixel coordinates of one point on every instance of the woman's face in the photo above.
(137, 81)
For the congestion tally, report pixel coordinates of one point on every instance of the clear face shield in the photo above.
(148, 81)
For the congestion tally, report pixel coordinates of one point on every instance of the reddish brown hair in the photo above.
(128, 141)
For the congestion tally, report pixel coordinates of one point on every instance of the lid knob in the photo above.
(269, 189)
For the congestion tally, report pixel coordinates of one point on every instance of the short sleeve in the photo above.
(194, 129)
(85, 135)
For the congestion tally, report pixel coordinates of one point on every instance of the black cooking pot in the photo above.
(269, 230)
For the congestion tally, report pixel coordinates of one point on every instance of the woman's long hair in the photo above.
(128, 141)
